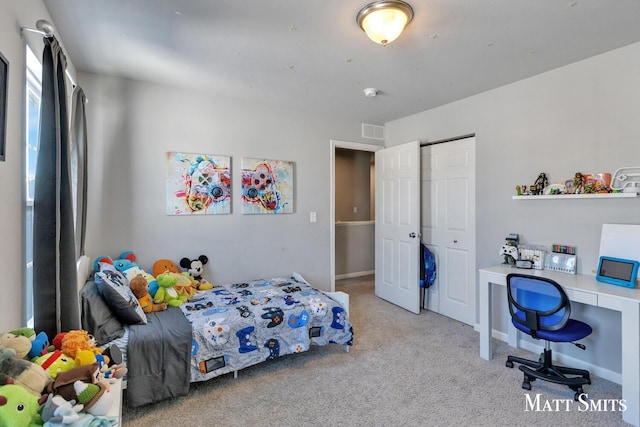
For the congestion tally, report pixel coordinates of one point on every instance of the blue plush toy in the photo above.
(39, 346)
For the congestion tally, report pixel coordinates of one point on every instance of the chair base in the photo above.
(545, 370)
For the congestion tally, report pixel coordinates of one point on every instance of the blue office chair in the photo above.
(539, 307)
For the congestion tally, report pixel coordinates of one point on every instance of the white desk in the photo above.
(586, 290)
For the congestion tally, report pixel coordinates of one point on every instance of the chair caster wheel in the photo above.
(509, 364)
(577, 395)
(526, 385)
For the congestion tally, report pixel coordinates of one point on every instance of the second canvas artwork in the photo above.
(267, 186)
(201, 184)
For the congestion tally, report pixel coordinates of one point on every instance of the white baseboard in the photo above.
(356, 274)
(562, 359)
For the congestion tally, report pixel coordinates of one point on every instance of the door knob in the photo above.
(412, 235)
(455, 241)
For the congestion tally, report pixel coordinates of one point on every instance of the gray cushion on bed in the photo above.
(114, 287)
(97, 318)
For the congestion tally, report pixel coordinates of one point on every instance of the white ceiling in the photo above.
(310, 55)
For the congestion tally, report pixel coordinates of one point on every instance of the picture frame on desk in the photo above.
(565, 263)
(4, 87)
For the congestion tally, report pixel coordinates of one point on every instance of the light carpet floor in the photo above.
(403, 370)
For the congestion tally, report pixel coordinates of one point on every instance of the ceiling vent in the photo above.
(373, 132)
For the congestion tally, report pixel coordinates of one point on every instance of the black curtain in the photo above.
(79, 165)
(55, 296)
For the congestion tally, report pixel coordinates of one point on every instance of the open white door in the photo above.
(397, 237)
(448, 226)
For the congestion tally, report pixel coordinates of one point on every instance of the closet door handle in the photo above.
(412, 235)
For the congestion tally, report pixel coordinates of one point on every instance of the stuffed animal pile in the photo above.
(65, 380)
(177, 286)
(63, 383)
(126, 264)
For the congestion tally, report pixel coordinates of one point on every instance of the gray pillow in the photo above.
(115, 290)
(97, 317)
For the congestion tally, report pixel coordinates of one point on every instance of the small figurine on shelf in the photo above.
(578, 183)
(568, 185)
(518, 190)
(540, 184)
(590, 187)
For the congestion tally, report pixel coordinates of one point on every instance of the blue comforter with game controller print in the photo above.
(239, 325)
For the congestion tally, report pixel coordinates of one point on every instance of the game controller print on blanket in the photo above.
(239, 325)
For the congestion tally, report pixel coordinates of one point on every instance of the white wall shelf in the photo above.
(577, 196)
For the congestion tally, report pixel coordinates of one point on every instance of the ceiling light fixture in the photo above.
(383, 21)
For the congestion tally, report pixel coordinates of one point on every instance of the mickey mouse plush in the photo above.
(195, 268)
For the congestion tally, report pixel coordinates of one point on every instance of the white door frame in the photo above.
(334, 143)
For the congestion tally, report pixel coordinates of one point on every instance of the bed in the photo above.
(218, 331)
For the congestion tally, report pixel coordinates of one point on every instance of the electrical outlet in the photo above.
(313, 217)
(355, 209)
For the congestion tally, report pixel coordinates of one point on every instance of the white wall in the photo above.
(131, 127)
(13, 15)
(582, 117)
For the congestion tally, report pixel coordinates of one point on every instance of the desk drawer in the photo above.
(610, 302)
(582, 297)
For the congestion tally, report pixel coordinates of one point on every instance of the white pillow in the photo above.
(82, 268)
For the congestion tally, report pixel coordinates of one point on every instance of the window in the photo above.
(32, 122)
